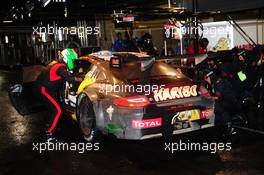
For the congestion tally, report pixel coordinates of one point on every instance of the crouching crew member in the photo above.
(226, 103)
(51, 82)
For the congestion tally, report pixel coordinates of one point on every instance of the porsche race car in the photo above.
(129, 95)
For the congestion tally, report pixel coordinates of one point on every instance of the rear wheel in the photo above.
(86, 119)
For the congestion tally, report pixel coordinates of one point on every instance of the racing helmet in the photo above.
(68, 56)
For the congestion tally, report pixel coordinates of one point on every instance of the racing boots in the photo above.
(51, 139)
(230, 130)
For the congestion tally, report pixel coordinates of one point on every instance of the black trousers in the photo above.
(225, 110)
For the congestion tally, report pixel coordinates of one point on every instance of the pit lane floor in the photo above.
(115, 157)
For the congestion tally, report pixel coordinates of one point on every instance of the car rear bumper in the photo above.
(140, 124)
(175, 132)
(141, 134)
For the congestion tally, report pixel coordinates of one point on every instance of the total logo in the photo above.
(150, 123)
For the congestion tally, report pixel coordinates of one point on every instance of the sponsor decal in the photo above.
(181, 120)
(174, 118)
(128, 18)
(164, 94)
(115, 62)
(110, 111)
(207, 113)
(150, 123)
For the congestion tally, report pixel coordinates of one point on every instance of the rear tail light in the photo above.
(136, 101)
(207, 94)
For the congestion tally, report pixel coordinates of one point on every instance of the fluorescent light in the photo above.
(6, 39)
(43, 37)
(60, 35)
(46, 2)
(8, 21)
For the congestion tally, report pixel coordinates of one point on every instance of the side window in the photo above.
(82, 66)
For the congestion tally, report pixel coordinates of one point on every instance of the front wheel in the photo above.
(86, 119)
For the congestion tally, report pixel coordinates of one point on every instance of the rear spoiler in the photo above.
(146, 62)
(198, 58)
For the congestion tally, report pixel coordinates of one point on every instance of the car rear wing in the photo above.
(119, 60)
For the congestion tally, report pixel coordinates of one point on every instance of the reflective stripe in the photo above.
(50, 98)
(53, 72)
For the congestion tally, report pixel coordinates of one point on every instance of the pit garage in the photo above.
(131, 87)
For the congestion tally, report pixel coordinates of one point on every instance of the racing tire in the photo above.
(87, 120)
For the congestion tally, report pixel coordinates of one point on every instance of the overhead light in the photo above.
(60, 35)
(45, 2)
(7, 21)
(44, 37)
(65, 12)
(6, 40)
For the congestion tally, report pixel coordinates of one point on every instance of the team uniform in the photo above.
(49, 84)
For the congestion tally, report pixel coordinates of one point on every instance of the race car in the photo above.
(129, 95)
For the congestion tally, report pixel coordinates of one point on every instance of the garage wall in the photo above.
(106, 37)
(254, 28)
(158, 38)
(225, 6)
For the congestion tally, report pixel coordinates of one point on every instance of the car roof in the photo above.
(107, 55)
(104, 65)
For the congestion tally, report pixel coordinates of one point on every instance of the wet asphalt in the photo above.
(17, 135)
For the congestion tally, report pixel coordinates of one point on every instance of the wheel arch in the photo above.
(97, 107)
